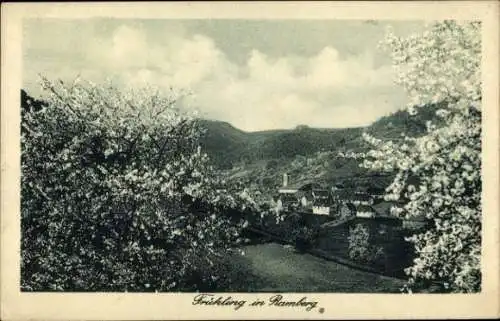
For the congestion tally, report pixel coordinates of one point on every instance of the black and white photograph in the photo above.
(218, 157)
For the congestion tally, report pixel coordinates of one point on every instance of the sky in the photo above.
(254, 74)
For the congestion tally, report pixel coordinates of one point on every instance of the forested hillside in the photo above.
(305, 153)
(230, 146)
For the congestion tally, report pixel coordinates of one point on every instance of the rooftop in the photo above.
(364, 208)
(349, 194)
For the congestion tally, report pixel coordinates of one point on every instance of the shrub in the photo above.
(358, 242)
(360, 248)
(116, 194)
(305, 237)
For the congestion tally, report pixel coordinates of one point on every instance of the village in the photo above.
(337, 224)
(315, 198)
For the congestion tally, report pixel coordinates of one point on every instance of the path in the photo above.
(273, 267)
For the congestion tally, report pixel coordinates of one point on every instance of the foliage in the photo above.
(305, 237)
(360, 248)
(440, 66)
(404, 122)
(117, 195)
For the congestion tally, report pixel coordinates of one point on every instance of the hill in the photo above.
(305, 153)
(392, 126)
(259, 159)
(223, 142)
(229, 146)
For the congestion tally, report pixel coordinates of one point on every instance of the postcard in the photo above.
(250, 160)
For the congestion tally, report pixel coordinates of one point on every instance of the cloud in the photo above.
(178, 62)
(325, 89)
(129, 49)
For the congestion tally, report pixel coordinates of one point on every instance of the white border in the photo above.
(16, 305)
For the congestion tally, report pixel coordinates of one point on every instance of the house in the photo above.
(383, 209)
(352, 196)
(287, 195)
(365, 211)
(321, 210)
(292, 189)
(307, 196)
(348, 202)
(287, 201)
(359, 198)
(303, 196)
(321, 201)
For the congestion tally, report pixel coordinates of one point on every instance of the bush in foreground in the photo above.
(116, 194)
(360, 248)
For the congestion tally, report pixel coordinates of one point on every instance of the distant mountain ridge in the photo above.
(227, 145)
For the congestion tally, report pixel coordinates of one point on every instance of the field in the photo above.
(274, 267)
(385, 250)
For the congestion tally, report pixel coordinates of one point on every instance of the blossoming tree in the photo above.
(438, 175)
(116, 194)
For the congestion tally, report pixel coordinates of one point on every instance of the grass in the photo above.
(273, 267)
